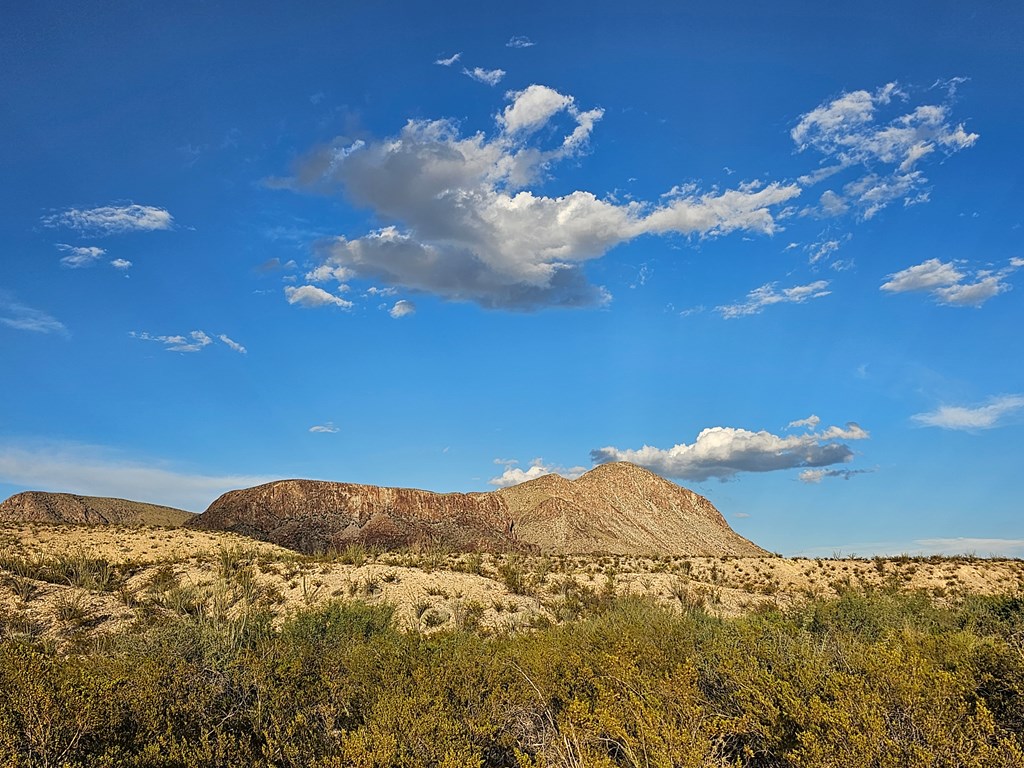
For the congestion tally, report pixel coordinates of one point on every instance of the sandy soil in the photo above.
(70, 582)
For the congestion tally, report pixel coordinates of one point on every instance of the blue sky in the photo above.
(772, 253)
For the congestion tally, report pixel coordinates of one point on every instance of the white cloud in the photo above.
(811, 422)
(194, 342)
(470, 230)
(120, 264)
(112, 219)
(402, 308)
(327, 428)
(723, 452)
(949, 285)
(80, 256)
(851, 131)
(513, 475)
(447, 62)
(486, 76)
(98, 471)
(14, 314)
(817, 475)
(821, 250)
(519, 41)
(233, 344)
(767, 295)
(991, 414)
(311, 296)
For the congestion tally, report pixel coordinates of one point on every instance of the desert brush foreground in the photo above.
(143, 646)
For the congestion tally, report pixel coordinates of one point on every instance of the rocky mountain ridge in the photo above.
(69, 508)
(617, 508)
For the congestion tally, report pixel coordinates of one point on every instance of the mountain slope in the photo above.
(616, 508)
(54, 508)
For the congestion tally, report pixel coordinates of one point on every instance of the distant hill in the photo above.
(44, 507)
(616, 508)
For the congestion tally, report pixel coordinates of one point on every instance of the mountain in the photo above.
(622, 509)
(43, 507)
(616, 508)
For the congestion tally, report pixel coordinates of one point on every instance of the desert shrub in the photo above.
(870, 678)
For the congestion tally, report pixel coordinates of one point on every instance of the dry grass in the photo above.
(221, 575)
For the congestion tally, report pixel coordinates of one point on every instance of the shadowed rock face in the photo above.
(56, 508)
(616, 508)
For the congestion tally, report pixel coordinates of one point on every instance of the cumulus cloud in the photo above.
(993, 413)
(80, 256)
(402, 308)
(112, 219)
(327, 428)
(233, 344)
(767, 295)
(886, 138)
(949, 284)
(485, 76)
(519, 41)
(99, 471)
(14, 314)
(121, 264)
(310, 296)
(817, 475)
(468, 228)
(514, 475)
(724, 452)
(194, 342)
(447, 62)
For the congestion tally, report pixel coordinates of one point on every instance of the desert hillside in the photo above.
(44, 507)
(615, 508)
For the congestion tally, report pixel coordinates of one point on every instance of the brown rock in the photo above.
(55, 508)
(615, 508)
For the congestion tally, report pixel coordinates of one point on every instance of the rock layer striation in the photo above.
(57, 508)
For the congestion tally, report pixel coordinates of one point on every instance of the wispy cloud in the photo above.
(486, 76)
(99, 471)
(519, 41)
(447, 62)
(194, 342)
(14, 314)
(80, 256)
(233, 344)
(817, 475)
(326, 428)
(767, 295)
(310, 296)
(514, 475)
(121, 264)
(881, 129)
(993, 413)
(724, 452)
(112, 219)
(402, 308)
(951, 284)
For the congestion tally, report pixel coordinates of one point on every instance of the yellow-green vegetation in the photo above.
(162, 648)
(868, 678)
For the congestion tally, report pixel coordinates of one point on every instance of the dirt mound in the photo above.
(56, 508)
(616, 508)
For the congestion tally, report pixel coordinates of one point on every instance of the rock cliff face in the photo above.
(54, 508)
(615, 508)
(312, 515)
